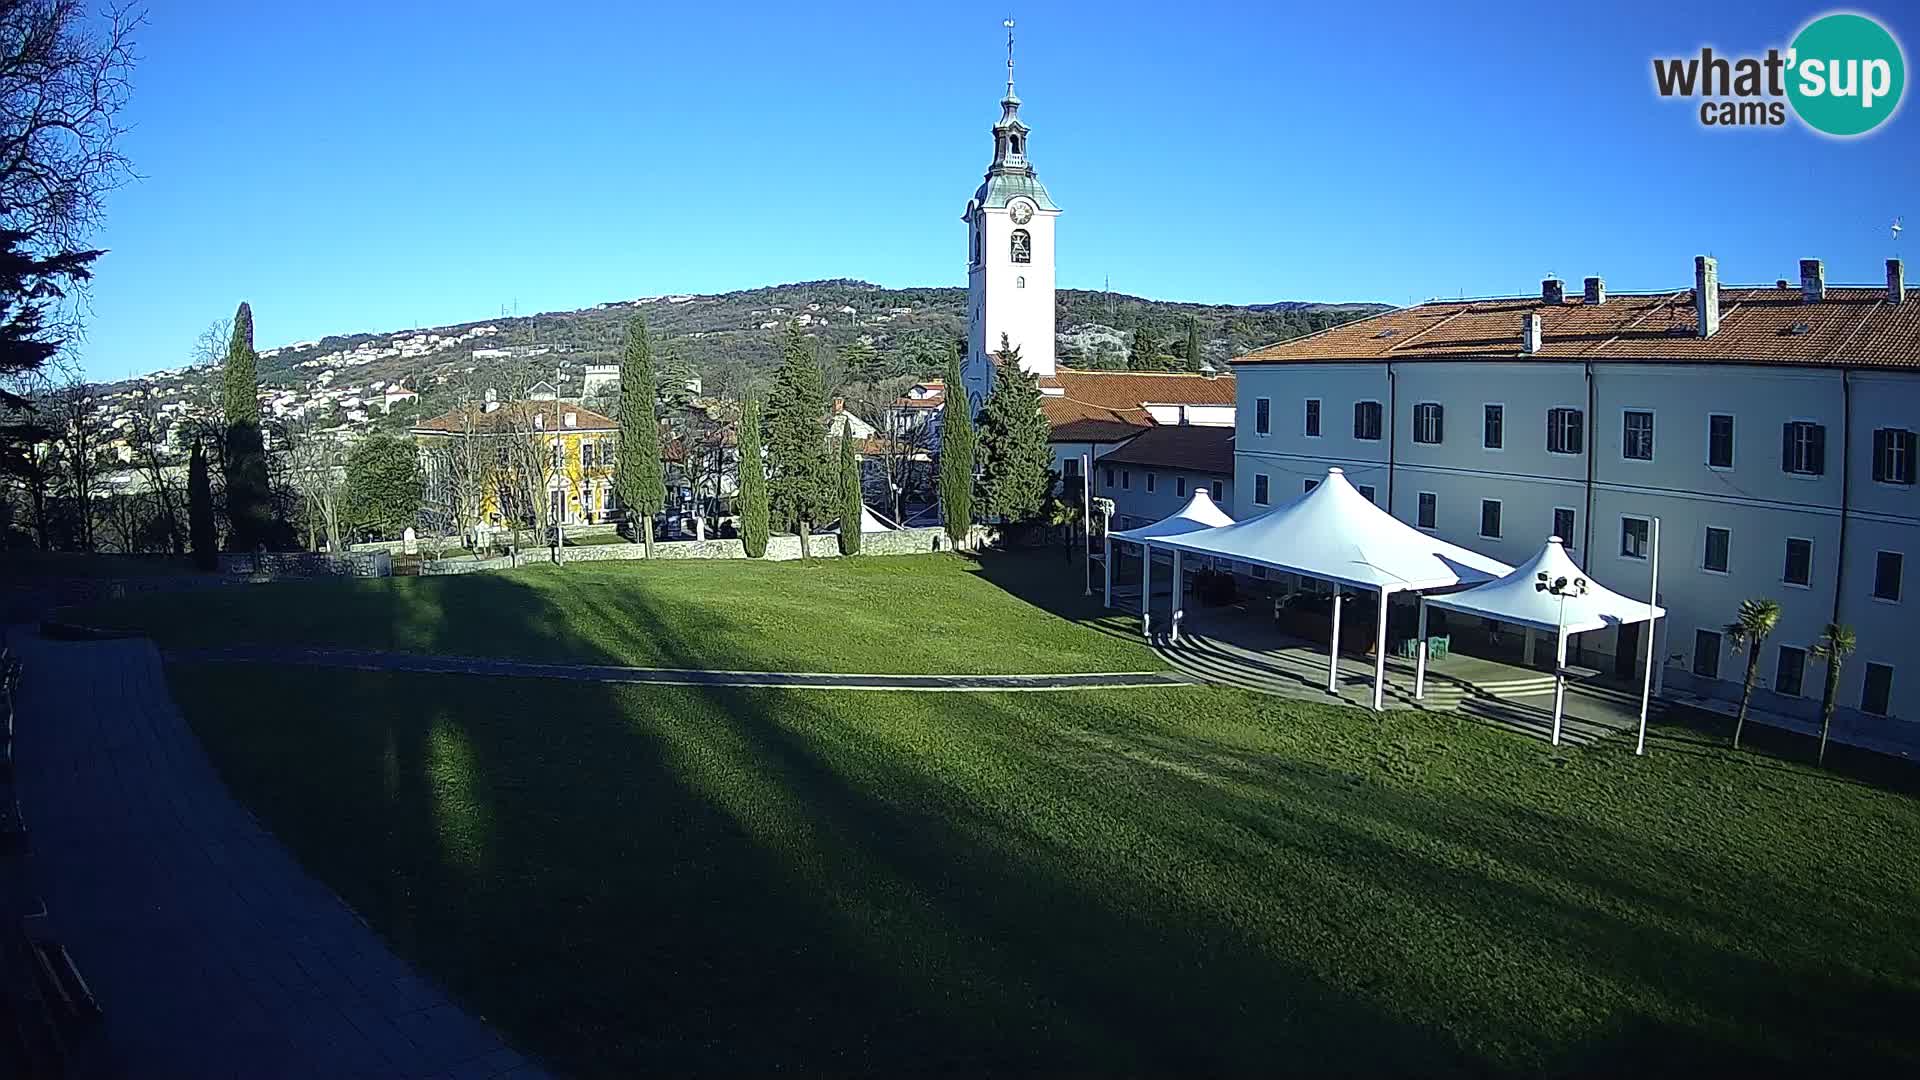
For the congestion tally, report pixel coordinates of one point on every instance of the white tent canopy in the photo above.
(870, 522)
(1549, 593)
(1201, 512)
(1336, 534)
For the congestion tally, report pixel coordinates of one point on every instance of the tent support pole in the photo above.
(1559, 680)
(1380, 654)
(1146, 591)
(1420, 655)
(1107, 563)
(1646, 677)
(1333, 645)
(1179, 601)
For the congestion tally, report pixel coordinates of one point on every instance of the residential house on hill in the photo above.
(584, 443)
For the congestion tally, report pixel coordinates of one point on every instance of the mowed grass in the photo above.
(922, 614)
(1181, 880)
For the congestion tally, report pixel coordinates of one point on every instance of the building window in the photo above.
(1636, 436)
(1791, 672)
(1886, 575)
(1877, 689)
(1706, 654)
(1429, 511)
(1313, 418)
(1126, 479)
(1310, 485)
(1020, 282)
(1566, 431)
(1427, 422)
(1108, 478)
(1366, 491)
(1150, 482)
(1799, 569)
(1720, 441)
(1803, 448)
(1261, 407)
(1022, 246)
(1070, 469)
(1218, 491)
(1563, 522)
(1179, 487)
(1493, 434)
(1893, 456)
(1715, 557)
(1490, 518)
(1259, 489)
(1633, 537)
(586, 455)
(1366, 420)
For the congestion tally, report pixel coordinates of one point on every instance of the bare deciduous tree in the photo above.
(147, 437)
(316, 463)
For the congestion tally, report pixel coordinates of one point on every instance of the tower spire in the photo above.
(1009, 25)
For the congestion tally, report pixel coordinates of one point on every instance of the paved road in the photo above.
(373, 660)
(211, 950)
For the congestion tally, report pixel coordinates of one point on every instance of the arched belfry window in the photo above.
(1022, 246)
(1016, 143)
(976, 246)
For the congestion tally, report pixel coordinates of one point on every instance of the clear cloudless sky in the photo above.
(365, 165)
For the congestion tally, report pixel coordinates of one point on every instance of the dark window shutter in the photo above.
(1882, 444)
(1439, 424)
(1550, 413)
(1907, 437)
(1817, 449)
(1578, 440)
(1786, 447)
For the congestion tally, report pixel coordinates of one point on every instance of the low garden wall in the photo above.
(310, 564)
(779, 549)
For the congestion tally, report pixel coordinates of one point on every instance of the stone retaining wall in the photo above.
(779, 549)
(310, 564)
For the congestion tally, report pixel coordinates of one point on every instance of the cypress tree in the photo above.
(200, 509)
(1194, 359)
(248, 497)
(753, 482)
(956, 455)
(1015, 461)
(1145, 355)
(638, 477)
(852, 506)
(800, 487)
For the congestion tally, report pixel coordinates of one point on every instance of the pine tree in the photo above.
(852, 506)
(753, 482)
(200, 509)
(248, 498)
(862, 362)
(956, 455)
(638, 476)
(1145, 355)
(674, 377)
(1015, 459)
(800, 487)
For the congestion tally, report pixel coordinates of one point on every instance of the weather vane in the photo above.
(1008, 23)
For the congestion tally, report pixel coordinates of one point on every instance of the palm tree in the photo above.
(1752, 626)
(1835, 645)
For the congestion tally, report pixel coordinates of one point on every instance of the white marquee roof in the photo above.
(1335, 533)
(870, 522)
(1513, 598)
(1201, 512)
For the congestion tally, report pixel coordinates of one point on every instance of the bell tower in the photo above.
(1009, 254)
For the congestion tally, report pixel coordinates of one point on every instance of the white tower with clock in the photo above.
(1010, 255)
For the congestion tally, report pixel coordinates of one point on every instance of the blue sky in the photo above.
(377, 166)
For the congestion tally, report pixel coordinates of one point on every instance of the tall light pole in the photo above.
(1086, 464)
(1561, 587)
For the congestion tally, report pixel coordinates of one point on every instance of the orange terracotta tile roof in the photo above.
(1853, 326)
(507, 418)
(1179, 446)
(1104, 406)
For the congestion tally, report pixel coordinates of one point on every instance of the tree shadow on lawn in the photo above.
(715, 879)
(1038, 579)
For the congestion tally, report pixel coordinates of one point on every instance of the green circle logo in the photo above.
(1846, 74)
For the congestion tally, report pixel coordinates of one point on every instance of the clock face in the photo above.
(1022, 211)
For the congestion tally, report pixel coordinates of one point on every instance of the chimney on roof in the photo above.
(1813, 281)
(1896, 281)
(1553, 291)
(1783, 283)
(1706, 293)
(1596, 291)
(1530, 336)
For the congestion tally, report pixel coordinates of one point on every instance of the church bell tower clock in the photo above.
(1010, 255)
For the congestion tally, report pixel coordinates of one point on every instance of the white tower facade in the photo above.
(1010, 234)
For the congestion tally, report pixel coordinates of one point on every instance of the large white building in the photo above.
(1770, 429)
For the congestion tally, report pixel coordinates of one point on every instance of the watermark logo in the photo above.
(1843, 75)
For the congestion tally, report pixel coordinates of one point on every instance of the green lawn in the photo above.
(1175, 880)
(920, 614)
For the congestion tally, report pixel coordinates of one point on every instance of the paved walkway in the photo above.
(374, 660)
(211, 950)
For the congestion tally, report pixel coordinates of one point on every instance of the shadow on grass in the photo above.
(681, 879)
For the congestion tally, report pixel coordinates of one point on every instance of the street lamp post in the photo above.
(1561, 587)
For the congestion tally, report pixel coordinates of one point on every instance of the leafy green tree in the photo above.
(1836, 643)
(205, 539)
(1146, 354)
(863, 362)
(1750, 628)
(384, 485)
(675, 375)
(754, 525)
(852, 505)
(1015, 459)
(957, 447)
(638, 476)
(249, 499)
(800, 487)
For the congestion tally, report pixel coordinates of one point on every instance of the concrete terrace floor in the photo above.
(210, 950)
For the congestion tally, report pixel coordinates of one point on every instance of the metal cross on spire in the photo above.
(1008, 23)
